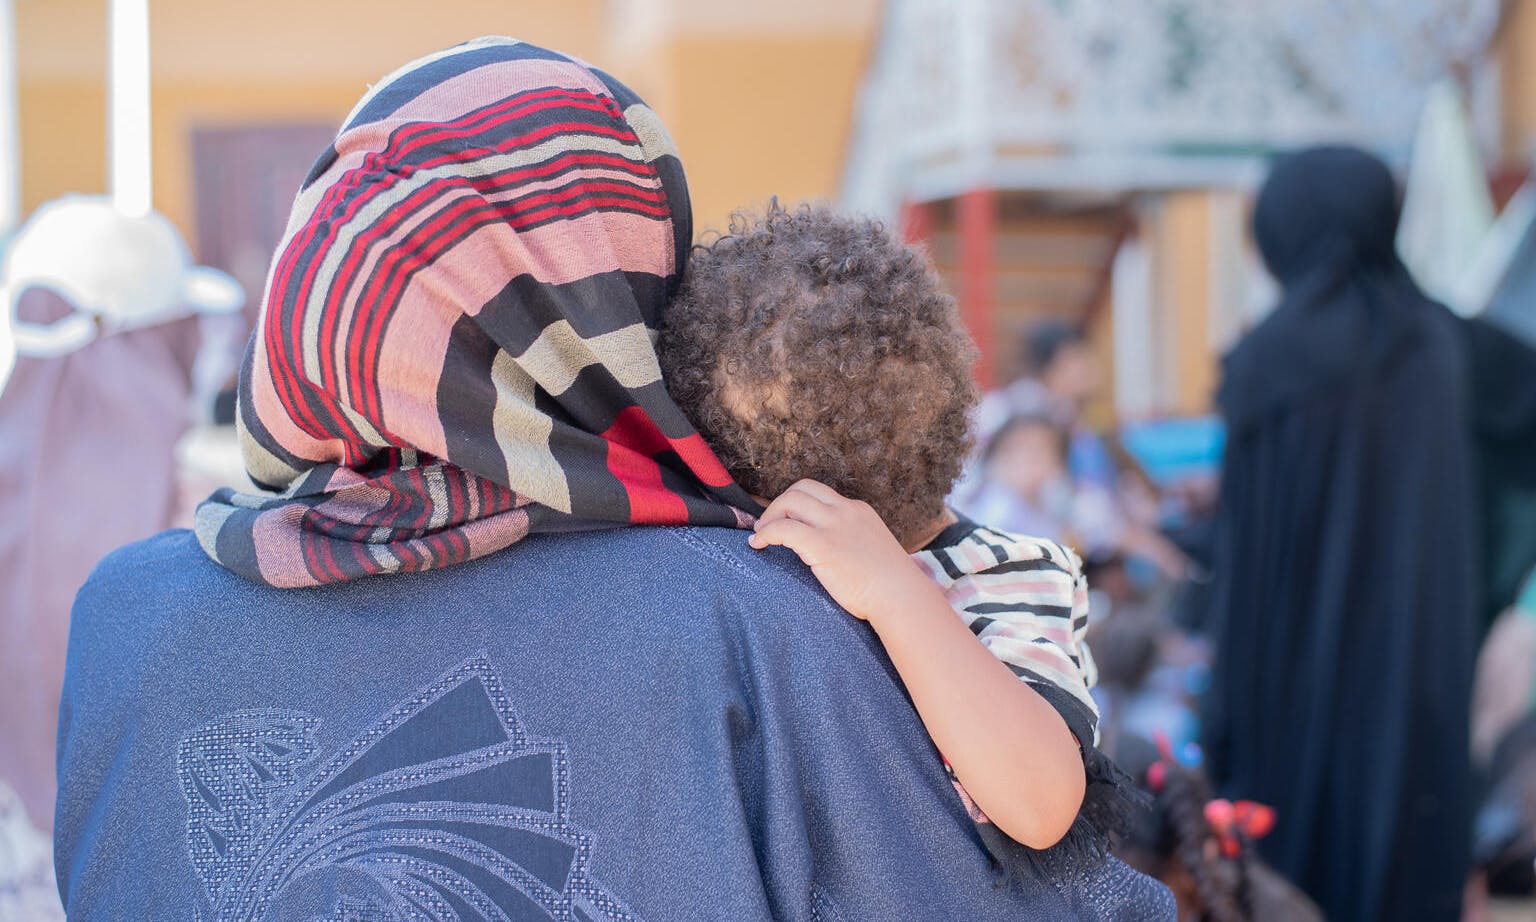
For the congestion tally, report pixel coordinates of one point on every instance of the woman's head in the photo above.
(1027, 453)
(810, 343)
(471, 199)
(1325, 203)
(455, 346)
(1059, 356)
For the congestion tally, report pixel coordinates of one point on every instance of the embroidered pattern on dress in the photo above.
(714, 552)
(822, 907)
(445, 810)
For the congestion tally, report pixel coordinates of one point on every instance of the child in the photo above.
(1026, 487)
(1202, 848)
(824, 363)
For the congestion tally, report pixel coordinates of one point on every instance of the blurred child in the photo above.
(1202, 848)
(1504, 745)
(823, 362)
(1026, 488)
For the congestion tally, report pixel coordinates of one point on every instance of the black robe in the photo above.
(1348, 562)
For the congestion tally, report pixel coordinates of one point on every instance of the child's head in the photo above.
(1058, 355)
(1214, 876)
(1176, 844)
(810, 343)
(1028, 452)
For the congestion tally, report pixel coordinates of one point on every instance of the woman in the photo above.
(540, 713)
(1348, 562)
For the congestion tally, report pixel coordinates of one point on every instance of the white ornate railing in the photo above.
(1136, 93)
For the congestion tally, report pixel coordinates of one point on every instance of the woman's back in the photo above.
(1345, 591)
(453, 371)
(673, 728)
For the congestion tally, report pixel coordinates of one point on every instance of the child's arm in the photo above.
(1010, 749)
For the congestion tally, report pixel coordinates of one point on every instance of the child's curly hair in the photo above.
(810, 343)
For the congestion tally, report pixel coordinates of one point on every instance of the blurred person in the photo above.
(99, 304)
(1026, 488)
(1346, 563)
(1151, 677)
(1202, 847)
(774, 319)
(1505, 844)
(66, 500)
(1505, 689)
(1061, 376)
(1025, 484)
(28, 889)
(432, 671)
(1109, 498)
(1504, 749)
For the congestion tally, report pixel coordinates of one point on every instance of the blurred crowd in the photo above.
(1042, 469)
(1286, 628)
(1147, 542)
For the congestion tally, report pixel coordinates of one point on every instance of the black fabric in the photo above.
(1504, 369)
(1348, 565)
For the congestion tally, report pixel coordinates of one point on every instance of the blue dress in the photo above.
(642, 723)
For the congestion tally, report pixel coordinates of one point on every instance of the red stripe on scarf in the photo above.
(633, 441)
(441, 232)
(403, 142)
(340, 286)
(701, 459)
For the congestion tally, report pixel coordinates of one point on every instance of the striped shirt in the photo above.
(1026, 600)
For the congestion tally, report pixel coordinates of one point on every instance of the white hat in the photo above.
(118, 272)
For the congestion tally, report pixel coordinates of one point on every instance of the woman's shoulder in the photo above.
(169, 578)
(711, 555)
(169, 563)
(766, 598)
(722, 555)
(173, 546)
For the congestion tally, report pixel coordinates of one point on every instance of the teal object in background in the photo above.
(1175, 450)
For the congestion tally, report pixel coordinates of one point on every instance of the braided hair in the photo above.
(1220, 882)
(1176, 836)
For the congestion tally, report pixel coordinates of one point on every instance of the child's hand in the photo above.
(846, 545)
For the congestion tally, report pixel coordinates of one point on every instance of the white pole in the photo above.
(1131, 281)
(132, 189)
(10, 134)
(973, 53)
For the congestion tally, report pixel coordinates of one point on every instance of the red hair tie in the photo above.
(1235, 822)
(1157, 772)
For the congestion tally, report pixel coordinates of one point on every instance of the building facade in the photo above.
(1076, 158)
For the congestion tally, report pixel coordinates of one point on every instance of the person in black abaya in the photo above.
(1348, 567)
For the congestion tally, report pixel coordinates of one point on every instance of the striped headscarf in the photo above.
(456, 344)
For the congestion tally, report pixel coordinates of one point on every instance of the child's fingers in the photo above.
(818, 490)
(797, 536)
(797, 505)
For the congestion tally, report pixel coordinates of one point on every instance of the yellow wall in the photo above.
(63, 139)
(220, 63)
(181, 106)
(758, 96)
(1183, 277)
(1516, 50)
(757, 117)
